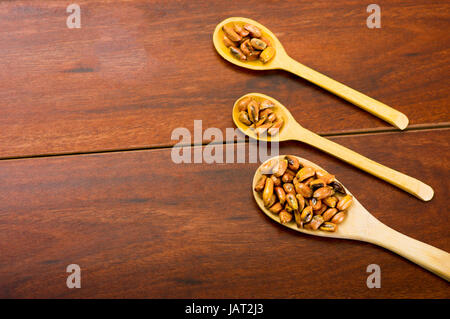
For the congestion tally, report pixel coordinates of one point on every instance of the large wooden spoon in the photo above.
(361, 225)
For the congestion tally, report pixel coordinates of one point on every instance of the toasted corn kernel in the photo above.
(253, 30)
(261, 121)
(253, 111)
(258, 44)
(245, 39)
(275, 129)
(276, 180)
(331, 227)
(330, 201)
(323, 192)
(267, 54)
(316, 221)
(272, 200)
(328, 178)
(228, 42)
(293, 162)
(292, 201)
(289, 188)
(249, 51)
(321, 173)
(338, 218)
(246, 47)
(267, 192)
(321, 210)
(244, 118)
(265, 104)
(301, 201)
(259, 186)
(307, 226)
(265, 113)
(242, 104)
(287, 177)
(298, 219)
(303, 190)
(308, 181)
(240, 30)
(288, 208)
(272, 117)
(237, 53)
(262, 129)
(267, 167)
(276, 208)
(288, 170)
(304, 173)
(285, 217)
(230, 33)
(345, 202)
(316, 183)
(307, 214)
(280, 168)
(315, 203)
(338, 187)
(281, 194)
(329, 213)
(254, 55)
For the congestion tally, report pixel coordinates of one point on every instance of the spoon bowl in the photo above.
(279, 109)
(292, 130)
(253, 65)
(283, 61)
(356, 215)
(359, 224)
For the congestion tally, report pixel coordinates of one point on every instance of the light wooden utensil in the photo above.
(284, 62)
(359, 224)
(292, 130)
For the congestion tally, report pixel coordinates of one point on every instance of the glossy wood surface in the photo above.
(86, 175)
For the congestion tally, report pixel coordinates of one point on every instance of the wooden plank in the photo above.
(136, 70)
(141, 226)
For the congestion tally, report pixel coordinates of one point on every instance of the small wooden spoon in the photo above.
(292, 130)
(359, 224)
(284, 62)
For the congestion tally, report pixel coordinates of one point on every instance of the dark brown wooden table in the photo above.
(86, 175)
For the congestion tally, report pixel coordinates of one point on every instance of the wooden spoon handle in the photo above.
(402, 181)
(365, 102)
(431, 258)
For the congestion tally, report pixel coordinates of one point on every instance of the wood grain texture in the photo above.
(138, 69)
(140, 226)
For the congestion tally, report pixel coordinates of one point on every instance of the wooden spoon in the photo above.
(292, 130)
(359, 224)
(284, 62)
